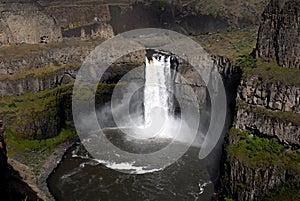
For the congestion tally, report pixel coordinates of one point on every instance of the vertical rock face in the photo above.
(248, 183)
(71, 14)
(12, 186)
(274, 96)
(26, 23)
(3, 159)
(279, 33)
(269, 108)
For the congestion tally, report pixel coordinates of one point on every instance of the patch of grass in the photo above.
(17, 144)
(234, 11)
(261, 152)
(246, 60)
(289, 191)
(273, 73)
(38, 72)
(228, 199)
(295, 156)
(15, 52)
(32, 100)
(32, 115)
(257, 144)
(230, 44)
(34, 153)
(37, 115)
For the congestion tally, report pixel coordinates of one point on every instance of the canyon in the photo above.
(37, 71)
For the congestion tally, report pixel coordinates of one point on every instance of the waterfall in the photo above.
(160, 74)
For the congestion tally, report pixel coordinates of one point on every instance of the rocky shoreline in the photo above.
(39, 183)
(50, 166)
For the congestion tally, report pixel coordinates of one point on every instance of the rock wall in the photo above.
(67, 52)
(26, 23)
(3, 161)
(268, 123)
(243, 182)
(36, 83)
(272, 95)
(38, 116)
(12, 186)
(268, 108)
(92, 31)
(279, 33)
(163, 15)
(72, 14)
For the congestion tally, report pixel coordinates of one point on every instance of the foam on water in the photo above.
(130, 167)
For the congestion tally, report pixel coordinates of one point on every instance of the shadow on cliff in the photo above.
(12, 186)
(163, 15)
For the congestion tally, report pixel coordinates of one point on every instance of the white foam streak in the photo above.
(130, 167)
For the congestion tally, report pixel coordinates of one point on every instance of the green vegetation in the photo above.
(295, 156)
(17, 144)
(260, 152)
(230, 44)
(34, 153)
(272, 73)
(238, 45)
(162, 5)
(38, 72)
(288, 117)
(228, 199)
(256, 145)
(37, 115)
(246, 60)
(15, 52)
(235, 11)
(34, 121)
(288, 192)
(33, 115)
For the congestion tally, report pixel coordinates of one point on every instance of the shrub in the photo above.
(246, 60)
(12, 105)
(228, 199)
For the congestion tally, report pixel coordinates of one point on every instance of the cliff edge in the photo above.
(261, 159)
(279, 33)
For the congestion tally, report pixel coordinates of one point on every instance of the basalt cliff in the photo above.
(43, 44)
(260, 153)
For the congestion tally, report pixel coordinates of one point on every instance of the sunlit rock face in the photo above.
(278, 37)
(25, 22)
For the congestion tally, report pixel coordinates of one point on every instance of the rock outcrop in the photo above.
(25, 22)
(274, 96)
(35, 83)
(161, 14)
(76, 14)
(12, 186)
(284, 126)
(269, 108)
(39, 116)
(241, 180)
(279, 33)
(22, 56)
(92, 31)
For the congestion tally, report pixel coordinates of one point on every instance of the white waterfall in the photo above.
(159, 89)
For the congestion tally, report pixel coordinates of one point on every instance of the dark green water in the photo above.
(80, 177)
